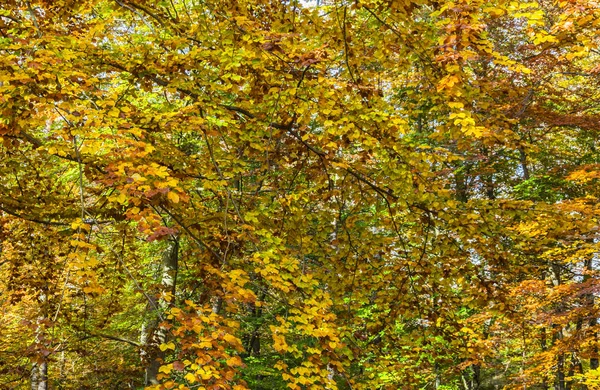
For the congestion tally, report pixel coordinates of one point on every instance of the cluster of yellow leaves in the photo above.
(205, 347)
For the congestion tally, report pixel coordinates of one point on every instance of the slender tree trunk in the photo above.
(575, 364)
(35, 376)
(476, 376)
(152, 336)
(560, 374)
(559, 382)
(39, 370)
(39, 376)
(217, 305)
(594, 363)
(523, 160)
(471, 377)
(544, 347)
(43, 383)
(570, 373)
(62, 370)
(460, 182)
(253, 337)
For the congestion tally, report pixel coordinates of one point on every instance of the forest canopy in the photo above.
(285, 194)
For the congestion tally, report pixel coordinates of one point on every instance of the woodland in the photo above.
(294, 194)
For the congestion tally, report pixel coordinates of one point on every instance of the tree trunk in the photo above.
(560, 374)
(544, 347)
(39, 376)
(39, 370)
(152, 336)
(559, 382)
(460, 183)
(594, 363)
(523, 160)
(35, 376)
(43, 383)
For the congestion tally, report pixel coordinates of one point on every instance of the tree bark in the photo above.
(544, 347)
(523, 161)
(35, 376)
(43, 383)
(594, 363)
(559, 382)
(39, 376)
(152, 335)
(560, 374)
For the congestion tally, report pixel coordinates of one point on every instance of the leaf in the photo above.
(166, 346)
(166, 368)
(173, 197)
(191, 378)
(234, 361)
(377, 193)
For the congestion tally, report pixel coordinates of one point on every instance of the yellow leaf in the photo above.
(204, 374)
(164, 347)
(190, 377)
(166, 368)
(280, 344)
(341, 164)
(234, 361)
(231, 339)
(495, 11)
(76, 223)
(121, 198)
(173, 197)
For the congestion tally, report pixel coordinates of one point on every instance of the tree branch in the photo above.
(31, 219)
(114, 338)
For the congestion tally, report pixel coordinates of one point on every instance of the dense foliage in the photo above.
(251, 194)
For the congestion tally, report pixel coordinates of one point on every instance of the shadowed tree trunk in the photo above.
(594, 363)
(559, 382)
(544, 347)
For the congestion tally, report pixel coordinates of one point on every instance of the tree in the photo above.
(269, 195)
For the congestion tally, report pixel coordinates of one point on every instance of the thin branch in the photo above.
(114, 338)
(11, 18)
(31, 219)
(379, 190)
(36, 142)
(34, 17)
(346, 49)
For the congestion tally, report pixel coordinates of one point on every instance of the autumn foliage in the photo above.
(299, 195)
